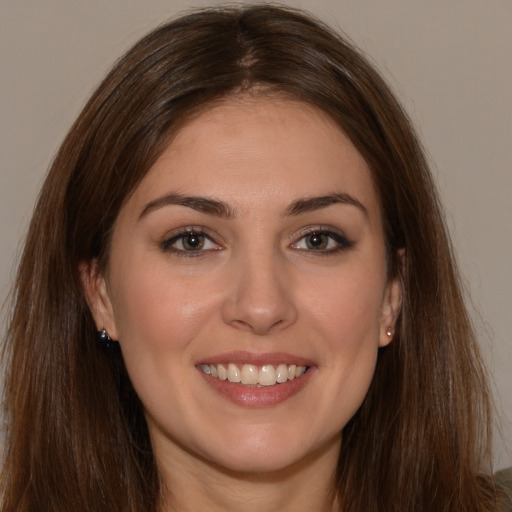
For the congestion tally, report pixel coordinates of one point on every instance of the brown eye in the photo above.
(317, 241)
(190, 243)
(323, 242)
(193, 241)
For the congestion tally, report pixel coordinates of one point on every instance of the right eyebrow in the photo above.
(198, 203)
(309, 204)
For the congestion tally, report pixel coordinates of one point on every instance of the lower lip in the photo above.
(258, 397)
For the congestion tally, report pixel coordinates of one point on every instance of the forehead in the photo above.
(259, 150)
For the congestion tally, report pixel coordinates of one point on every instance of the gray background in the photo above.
(448, 60)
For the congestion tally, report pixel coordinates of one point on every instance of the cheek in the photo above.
(347, 304)
(156, 309)
(159, 314)
(345, 313)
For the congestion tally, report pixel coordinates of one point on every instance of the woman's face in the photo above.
(252, 250)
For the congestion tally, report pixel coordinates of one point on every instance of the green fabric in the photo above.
(503, 481)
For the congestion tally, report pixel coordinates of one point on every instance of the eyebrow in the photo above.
(309, 204)
(221, 209)
(198, 203)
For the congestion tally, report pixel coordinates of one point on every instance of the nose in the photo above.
(260, 296)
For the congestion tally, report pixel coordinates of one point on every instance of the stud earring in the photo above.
(106, 342)
(389, 333)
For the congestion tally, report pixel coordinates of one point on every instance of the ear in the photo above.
(391, 305)
(97, 295)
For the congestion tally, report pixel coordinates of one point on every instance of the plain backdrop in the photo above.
(449, 61)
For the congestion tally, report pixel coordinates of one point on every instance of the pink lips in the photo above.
(257, 396)
(256, 359)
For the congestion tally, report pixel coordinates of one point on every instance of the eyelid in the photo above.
(337, 235)
(172, 237)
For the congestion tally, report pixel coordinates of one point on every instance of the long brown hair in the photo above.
(77, 438)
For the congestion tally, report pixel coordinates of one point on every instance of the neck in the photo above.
(191, 483)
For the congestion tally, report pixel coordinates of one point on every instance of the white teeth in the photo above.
(282, 373)
(233, 373)
(222, 372)
(249, 374)
(301, 370)
(252, 375)
(267, 375)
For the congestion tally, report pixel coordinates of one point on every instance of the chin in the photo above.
(273, 453)
(261, 462)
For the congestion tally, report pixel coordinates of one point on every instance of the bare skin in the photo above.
(255, 240)
(302, 487)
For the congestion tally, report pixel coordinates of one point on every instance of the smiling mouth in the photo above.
(254, 375)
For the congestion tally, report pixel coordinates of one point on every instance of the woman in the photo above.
(243, 219)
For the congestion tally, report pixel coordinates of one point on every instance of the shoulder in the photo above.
(503, 480)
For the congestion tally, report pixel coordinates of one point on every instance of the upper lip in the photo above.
(257, 359)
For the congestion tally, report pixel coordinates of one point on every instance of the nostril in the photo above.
(257, 326)
(258, 301)
(240, 324)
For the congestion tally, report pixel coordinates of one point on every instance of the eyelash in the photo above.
(341, 241)
(167, 245)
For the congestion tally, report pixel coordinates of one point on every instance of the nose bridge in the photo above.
(260, 299)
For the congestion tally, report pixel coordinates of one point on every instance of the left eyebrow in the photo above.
(309, 204)
(198, 203)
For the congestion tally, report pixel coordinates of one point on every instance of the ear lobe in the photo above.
(391, 306)
(97, 296)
